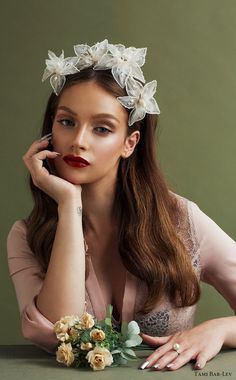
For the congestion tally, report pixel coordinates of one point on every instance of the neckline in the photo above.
(97, 300)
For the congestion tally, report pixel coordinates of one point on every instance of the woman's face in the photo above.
(90, 123)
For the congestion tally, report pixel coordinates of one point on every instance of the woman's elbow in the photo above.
(40, 334)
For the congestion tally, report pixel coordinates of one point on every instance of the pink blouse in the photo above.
(213, 255)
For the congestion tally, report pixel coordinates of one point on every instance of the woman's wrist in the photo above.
(227, 327)
(229, 331)
(73, 205)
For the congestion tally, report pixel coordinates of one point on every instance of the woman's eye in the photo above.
(102, 130)
(66, 122)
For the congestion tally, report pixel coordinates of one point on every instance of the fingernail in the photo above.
(157, 365)
(197, 365)
(46, 137)
(144, 365)
(169, 365)
(58, 154)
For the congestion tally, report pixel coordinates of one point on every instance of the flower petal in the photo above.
(52, 55)
(133, 87)
(57, 82)
(72, 60)
(70, 70)
(116, 50)
(46, 74)
(140, 56)
(81, 49)
(149, 89)
(106, 62)
(121, 74)
(127, 101)
(152, 106)
(84, 62)
(100, 48)
(136, 54)
(137, 72)
(135, 115)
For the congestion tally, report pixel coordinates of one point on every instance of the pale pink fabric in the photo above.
(213, 255)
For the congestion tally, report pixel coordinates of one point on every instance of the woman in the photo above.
(105, 227)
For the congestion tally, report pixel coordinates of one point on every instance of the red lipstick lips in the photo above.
(75, 161)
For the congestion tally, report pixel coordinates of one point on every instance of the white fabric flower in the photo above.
(89, 56)
(123, 62)
(140, 98)
(59, 67)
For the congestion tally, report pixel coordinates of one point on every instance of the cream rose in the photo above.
(99, 358)
(65, 355)
(73, 333)
(61, 331)
(87, 321)
(63, 327)
(86, 346)
(97, 335)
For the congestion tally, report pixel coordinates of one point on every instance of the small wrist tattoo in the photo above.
(79, 210)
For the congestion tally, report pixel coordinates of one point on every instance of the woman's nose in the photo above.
(80, 139)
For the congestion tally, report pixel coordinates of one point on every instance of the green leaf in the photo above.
(117, 351)
(121, 360)
(133, 328)
(124, 329)
(108, 322)
(124, 356)
(109, 311)
(127, 357)
(129, 352)
(133, 341)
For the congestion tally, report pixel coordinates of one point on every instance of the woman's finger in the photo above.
(157, 354)
(155, 340)
(38, 145)
(37, 160)
(46, 137)
(201, 360)
(179, 361)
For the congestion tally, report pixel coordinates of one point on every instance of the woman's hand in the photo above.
(57, 188)
(200, 343)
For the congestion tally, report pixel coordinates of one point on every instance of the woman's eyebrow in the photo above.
(96, 116)
(64, 108)
(105, 115)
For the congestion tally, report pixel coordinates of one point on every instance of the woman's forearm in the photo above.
(63, 291)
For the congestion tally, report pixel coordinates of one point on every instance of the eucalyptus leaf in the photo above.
(121, 360)
(129, 352)
(117, 351)
(133, 341)
(124, 356)
(133, 328)
(127, 357)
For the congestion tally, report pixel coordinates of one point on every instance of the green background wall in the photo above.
(192, 55)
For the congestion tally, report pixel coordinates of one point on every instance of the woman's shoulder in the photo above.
(19, 225)
(18, 229)
(187, 209)
(16, 239)
(204, 228)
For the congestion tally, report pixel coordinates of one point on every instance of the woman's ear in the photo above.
(130, 143)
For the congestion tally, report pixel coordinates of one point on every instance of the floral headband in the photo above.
(125, 65)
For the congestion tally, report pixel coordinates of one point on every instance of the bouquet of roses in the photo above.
(85, 342)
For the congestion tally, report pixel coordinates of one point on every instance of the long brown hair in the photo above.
(146, 212)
